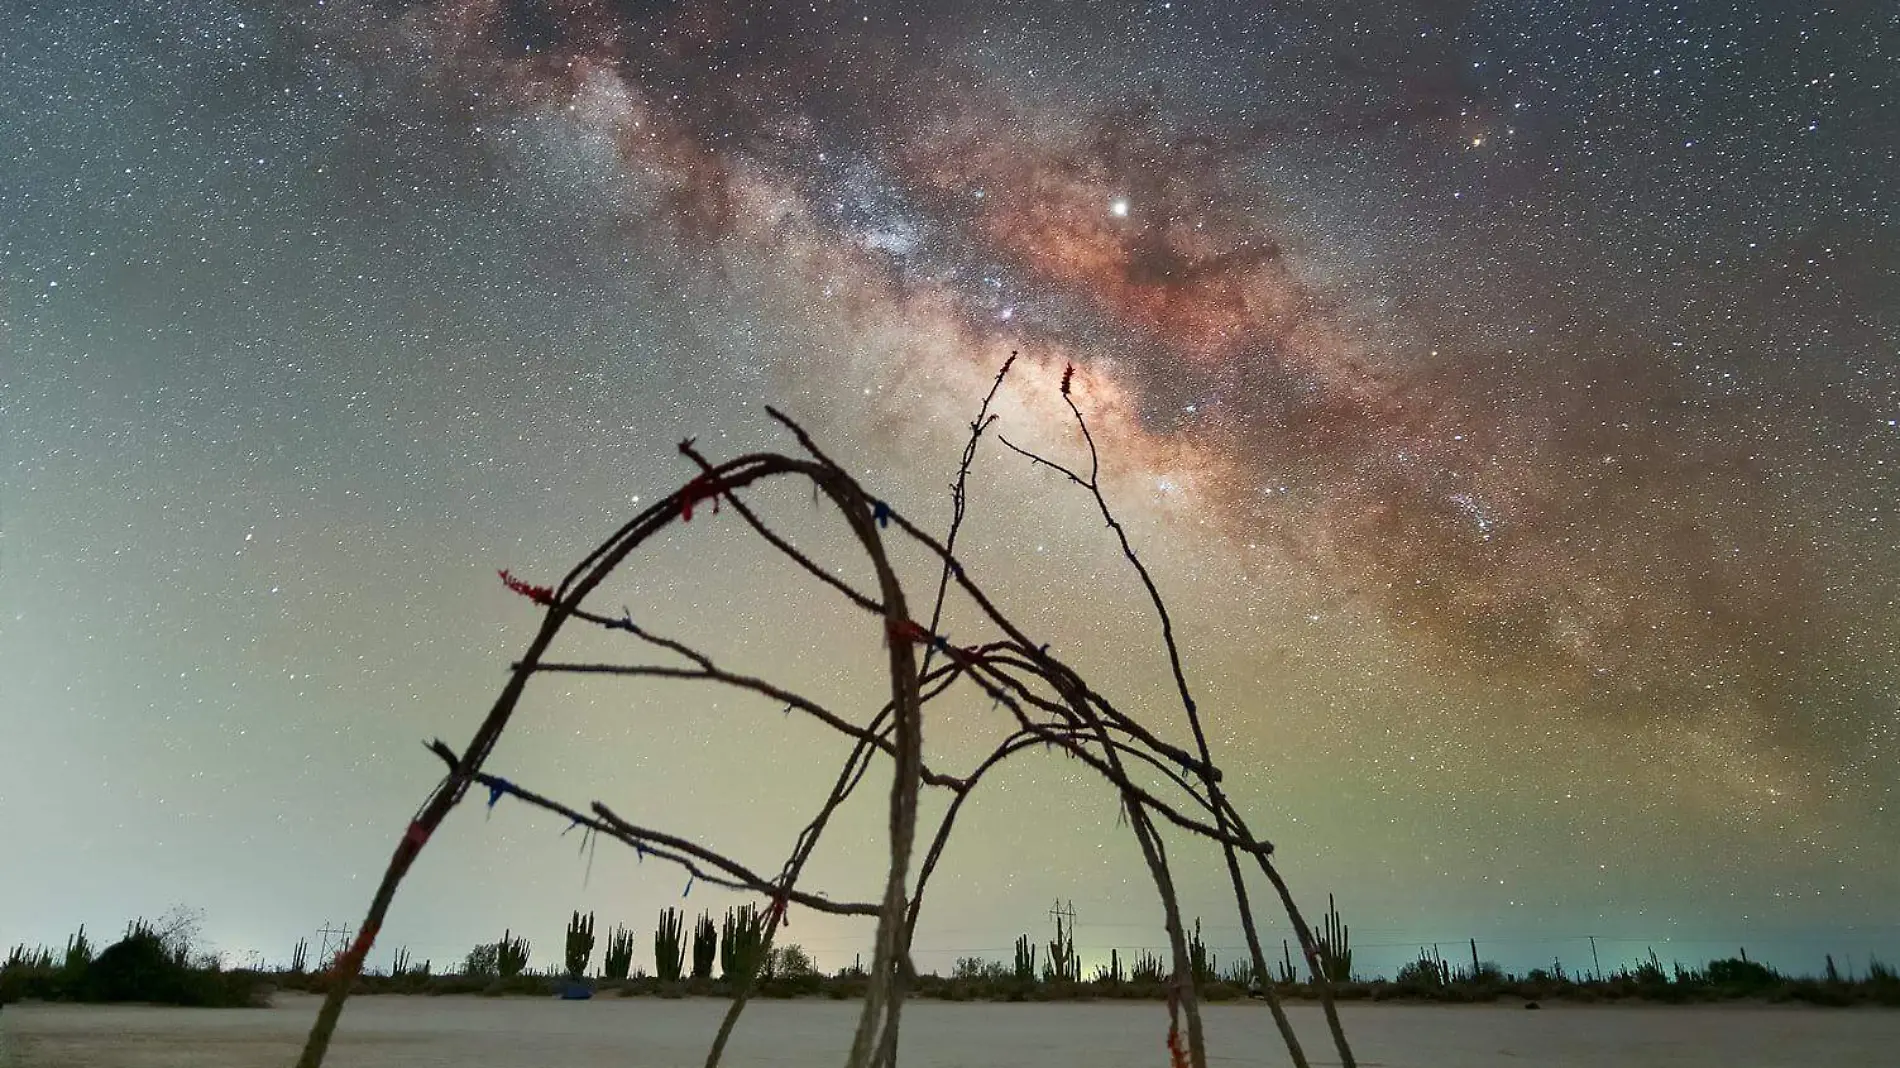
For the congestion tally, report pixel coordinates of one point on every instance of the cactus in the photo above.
(1147, 968)
(511, 955)
(580, 945)
(1199, 962)
(1429, 970)
(400, 966)
(1062, 965)
(1025, 959)
(31, 959)
(668, 950)
(300, 957)
(743, 950)
(1287, 974)
(1334, 948)
(705, 946)
(78, 950)
(619, 957)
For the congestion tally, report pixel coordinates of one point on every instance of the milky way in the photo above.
(1546, 513)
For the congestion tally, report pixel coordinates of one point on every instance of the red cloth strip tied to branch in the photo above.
(537, 594)
(358, 949)
(777, 911)
(905, 630)
(1177, 1049)
(702, 488)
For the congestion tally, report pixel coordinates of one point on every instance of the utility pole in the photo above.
(1058, 914)
(342, 936)
(1061, 951)
(1593, 958)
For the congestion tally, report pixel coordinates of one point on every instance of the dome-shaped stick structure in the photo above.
(1051, 705)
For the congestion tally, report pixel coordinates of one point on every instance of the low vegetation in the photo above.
(1052, 971)
(159, 963)
(162, 963)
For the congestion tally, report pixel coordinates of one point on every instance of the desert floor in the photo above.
(636, 1033)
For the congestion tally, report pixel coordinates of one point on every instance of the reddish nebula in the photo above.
(1131, 237)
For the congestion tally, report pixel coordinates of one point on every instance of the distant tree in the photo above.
(968, 968)
(484, 961)
(180, 930)
(792, 962)
(1742, 974)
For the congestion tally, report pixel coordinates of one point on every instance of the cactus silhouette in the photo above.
(580, 944)
(1334, 947)
(511, 955)
(669, 952)
(1025, 958)
(743, 949)
(705, 946)
(1199, 962)
(619, 957)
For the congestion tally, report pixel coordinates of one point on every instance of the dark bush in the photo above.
(141, 968)
(1742, 976)
(138, 968)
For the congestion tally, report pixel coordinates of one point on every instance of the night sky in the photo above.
(1506, 396)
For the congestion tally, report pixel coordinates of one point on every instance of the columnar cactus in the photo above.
(580, 944)
(1199, 961)
(743, 950)
(78, 950)
(669, 951)
(511, 955)
(1334, 946)
(705, 946)
(1148, 968)
(619, 958)
(1025, 958)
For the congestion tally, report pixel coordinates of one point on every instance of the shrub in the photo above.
(1741, 975)
(142, 967)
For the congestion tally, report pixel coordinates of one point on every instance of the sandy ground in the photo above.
(383, 1032)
